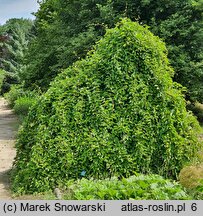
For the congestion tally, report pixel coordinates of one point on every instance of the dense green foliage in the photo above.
(14, 38)
(197, 109)
(17, 92)
(23, 104)
(57, 43)
(196, 193)
(112, 114)
(66, 31)
(183, 34)
(141, 187)
(2, 75)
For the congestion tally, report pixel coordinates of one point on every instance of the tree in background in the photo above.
(66, 31)
(15, 35)
(183, 33)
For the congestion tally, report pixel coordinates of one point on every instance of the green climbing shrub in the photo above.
(114, 113)
(140, 187)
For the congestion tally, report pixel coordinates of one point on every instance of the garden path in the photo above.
(8, 129)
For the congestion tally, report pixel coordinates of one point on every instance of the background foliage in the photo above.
(14, 38)
(66, 30)
(2, 75)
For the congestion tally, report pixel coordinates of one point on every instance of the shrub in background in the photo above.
(197, 109)
(23, 104)
(112, 114)
(2, 75)
(17, 91)
(141, 187)
(9, 80)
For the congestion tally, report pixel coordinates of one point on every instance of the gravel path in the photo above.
(8, 129)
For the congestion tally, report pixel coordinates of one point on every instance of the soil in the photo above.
(8, 130)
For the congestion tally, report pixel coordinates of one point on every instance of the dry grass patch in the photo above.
(191, 176)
